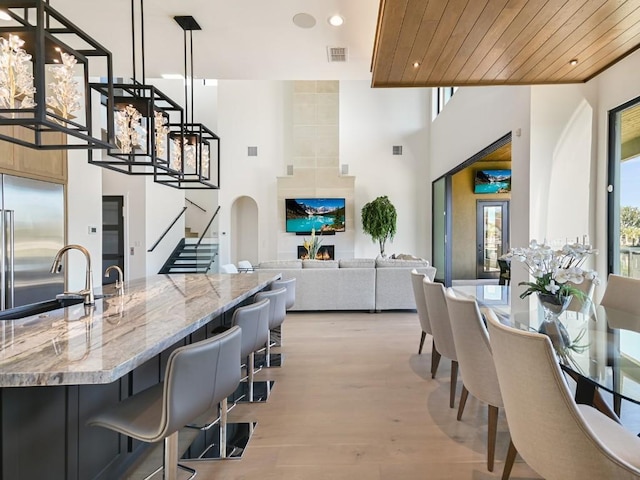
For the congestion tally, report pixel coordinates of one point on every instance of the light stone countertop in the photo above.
(99, 344)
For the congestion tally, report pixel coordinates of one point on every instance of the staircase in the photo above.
(185, 258)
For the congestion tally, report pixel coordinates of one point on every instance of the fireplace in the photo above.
(325, 252)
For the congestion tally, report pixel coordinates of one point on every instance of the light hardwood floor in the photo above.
(355, 401)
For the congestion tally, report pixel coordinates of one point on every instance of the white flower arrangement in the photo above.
(65, 96)
(312, 246)
(16, 80)
(556, 272)
(162, 131)
(128, 129)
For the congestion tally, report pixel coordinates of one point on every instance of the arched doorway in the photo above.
(243, 241)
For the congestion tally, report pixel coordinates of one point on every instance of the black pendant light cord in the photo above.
(133, 41)
(186, 90)
(191, 41)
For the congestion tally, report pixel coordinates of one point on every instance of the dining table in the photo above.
(603, 354)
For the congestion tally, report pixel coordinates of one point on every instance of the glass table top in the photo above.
(605, 343)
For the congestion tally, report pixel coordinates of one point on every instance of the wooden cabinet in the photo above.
(47, 165)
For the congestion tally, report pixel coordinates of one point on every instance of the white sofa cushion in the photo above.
(320, 264)
(396, 263)
(357, 263)
(275, 264)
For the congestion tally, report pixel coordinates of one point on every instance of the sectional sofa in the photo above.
(351, 284)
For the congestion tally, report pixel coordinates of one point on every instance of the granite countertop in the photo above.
(99, 344)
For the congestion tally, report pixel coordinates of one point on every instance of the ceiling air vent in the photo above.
(337, 54)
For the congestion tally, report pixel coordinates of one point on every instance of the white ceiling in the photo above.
(240, 39)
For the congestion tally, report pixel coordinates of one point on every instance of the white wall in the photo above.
(257, 113)
(474, 118)
(162, 205)
(372, 121)
(562, 126)
(132, 189)
(251, 113)
(84, 209)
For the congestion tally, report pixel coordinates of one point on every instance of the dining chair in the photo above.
(441, 330)
(582, 305)
(476, 363)
(622, 294)
(228, 268)
(245, 266)
(423, 314)
(559, 439)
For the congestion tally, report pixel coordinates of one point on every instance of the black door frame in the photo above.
(449, 204)
(480, 234)
(119, 227)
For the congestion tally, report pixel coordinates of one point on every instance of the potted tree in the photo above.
(379, 221)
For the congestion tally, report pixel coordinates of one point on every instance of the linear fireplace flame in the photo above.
(325, 252)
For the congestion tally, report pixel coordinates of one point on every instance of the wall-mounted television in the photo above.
(492, 181)
(325, 215)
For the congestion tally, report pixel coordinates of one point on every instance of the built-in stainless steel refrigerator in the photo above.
(32, 232)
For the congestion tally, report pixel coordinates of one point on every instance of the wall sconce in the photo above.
(44, 81)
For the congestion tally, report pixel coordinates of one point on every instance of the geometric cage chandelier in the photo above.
(195, 153)
(44, 79)
(140, 118)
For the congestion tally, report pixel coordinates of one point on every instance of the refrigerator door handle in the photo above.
(10, 249)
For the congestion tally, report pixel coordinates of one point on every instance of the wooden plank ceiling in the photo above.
(428, 43)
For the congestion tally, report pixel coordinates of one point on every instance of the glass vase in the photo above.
(553, 306)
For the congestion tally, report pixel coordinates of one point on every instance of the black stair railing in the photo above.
(164, 234)
(207, 227)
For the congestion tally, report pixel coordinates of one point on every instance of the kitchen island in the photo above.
(60, 367)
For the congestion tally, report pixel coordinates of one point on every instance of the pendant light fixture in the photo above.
(44, 79)
(141, 120)
(195, 161)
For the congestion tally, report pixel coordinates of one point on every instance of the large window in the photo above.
(624, 191)
(441, 96)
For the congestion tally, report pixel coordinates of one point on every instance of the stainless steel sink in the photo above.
(39, 307)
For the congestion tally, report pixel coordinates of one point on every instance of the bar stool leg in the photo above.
(250, 374)
(223, 428)
(171, 457)
(267, 352)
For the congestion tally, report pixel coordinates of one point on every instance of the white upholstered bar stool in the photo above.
(197, 377)
(476, 363)
(253, 320)
(290, 285)
(557, 438)
(276, 334)
(277, 315)
(441, 330)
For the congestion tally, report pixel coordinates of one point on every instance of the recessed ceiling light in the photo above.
(336, 20)
(304, 20)
(416, 64)
(4, 15)
(172, 76)
(573, 62)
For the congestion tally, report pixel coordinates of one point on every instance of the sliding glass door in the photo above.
(624, 194)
